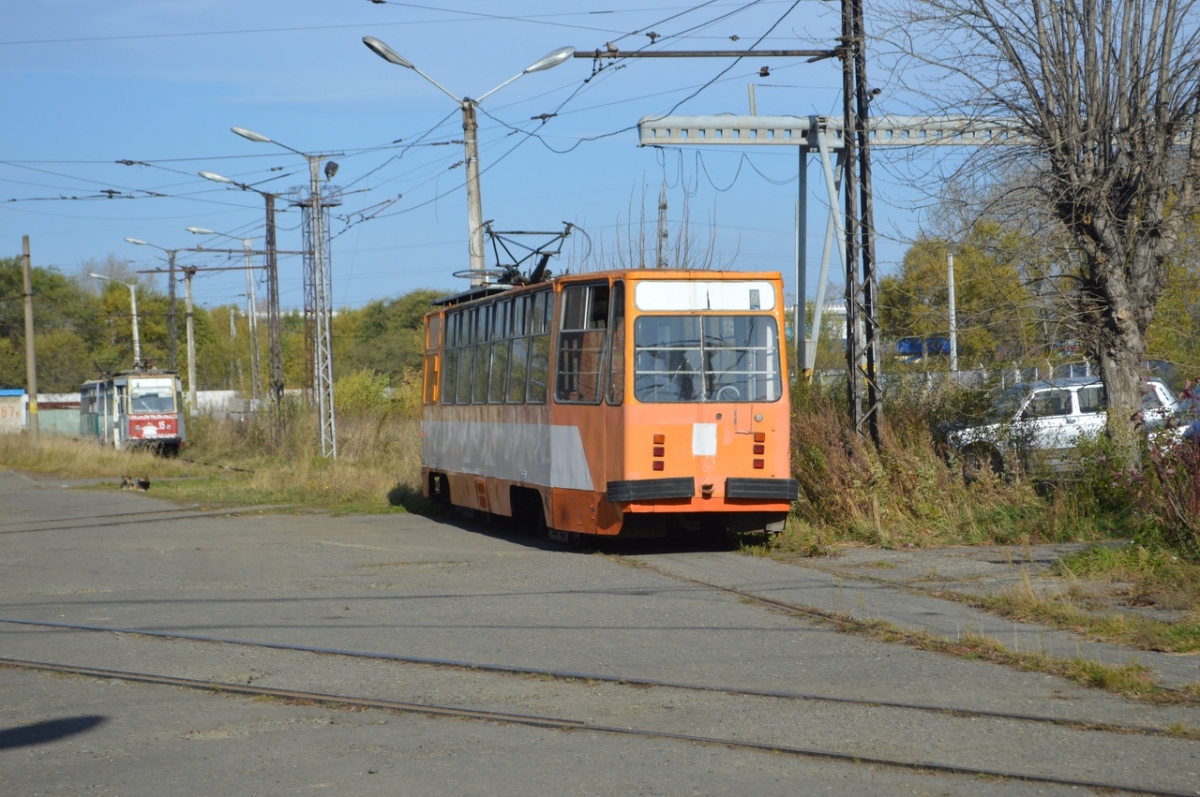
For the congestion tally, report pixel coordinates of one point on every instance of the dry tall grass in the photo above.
(378, 463)
(72, 458)
(907, 493)
(230, 462)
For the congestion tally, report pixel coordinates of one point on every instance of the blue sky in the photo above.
(159, 83)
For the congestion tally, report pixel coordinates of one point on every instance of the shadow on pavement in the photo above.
(48, 731)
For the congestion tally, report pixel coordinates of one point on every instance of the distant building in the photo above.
(12, 411)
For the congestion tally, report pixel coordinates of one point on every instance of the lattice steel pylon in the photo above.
(318, 304)
(862, 295)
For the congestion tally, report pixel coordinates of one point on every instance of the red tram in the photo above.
(139, 408)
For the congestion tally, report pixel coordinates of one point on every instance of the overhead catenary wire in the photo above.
(696, 90)
(403, 189)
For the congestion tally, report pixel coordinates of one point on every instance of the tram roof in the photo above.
(492, 289)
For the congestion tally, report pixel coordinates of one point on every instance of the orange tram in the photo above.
(631, 402)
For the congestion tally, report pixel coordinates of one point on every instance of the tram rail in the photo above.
(573, 675)
(560, 723)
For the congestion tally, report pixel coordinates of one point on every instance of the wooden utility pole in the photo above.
(30, 355)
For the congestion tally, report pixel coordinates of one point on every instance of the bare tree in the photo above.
(113, 267)
(1106, 93)
(639, 245)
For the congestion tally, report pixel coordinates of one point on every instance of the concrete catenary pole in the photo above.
(172, 316)
(30, 354)
(191, 342)
(953, 319)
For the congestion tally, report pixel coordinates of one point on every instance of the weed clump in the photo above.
(909, 492)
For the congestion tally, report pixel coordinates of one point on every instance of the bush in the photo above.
(905, 493)
(1171, 497)
(363, 392)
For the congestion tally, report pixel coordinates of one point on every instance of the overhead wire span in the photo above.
(536, 19)
(698, 90)
(526, 134)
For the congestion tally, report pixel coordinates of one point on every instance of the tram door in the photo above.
(613, 408)
(582, 427)
(107, 414)
(120, 399)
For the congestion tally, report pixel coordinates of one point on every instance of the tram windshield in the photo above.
(152, 395)
(726, 358)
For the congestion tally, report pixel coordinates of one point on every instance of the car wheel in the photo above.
(979, 461)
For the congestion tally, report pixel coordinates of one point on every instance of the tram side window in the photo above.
(450, 358)
(616, 371)
(429, 380)
(581, 338)
(518, 361)
(501, 346)
(483, 352)
(498, 352)
(539, 344)
(466, 359)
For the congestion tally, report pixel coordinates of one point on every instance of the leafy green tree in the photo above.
(387, 337)
(1174, 337)
(996, 313)
(12, 365)
(66, 317)
(64, 361)
(212, 362)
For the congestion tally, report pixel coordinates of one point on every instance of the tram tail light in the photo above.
(659, 451)
(759, 464)
(759, 448)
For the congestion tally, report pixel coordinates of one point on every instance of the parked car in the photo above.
(1189, 415)
(1040, 424)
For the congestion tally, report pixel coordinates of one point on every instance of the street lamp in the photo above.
(251, 311)
(172, 325)
(274, 333)
(320, 277)
(470, 136)
(137, 343)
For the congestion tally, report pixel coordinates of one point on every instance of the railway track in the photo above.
(918, 737)
(574, 675)
(567, 724)
(546, 721)
(116, 519)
